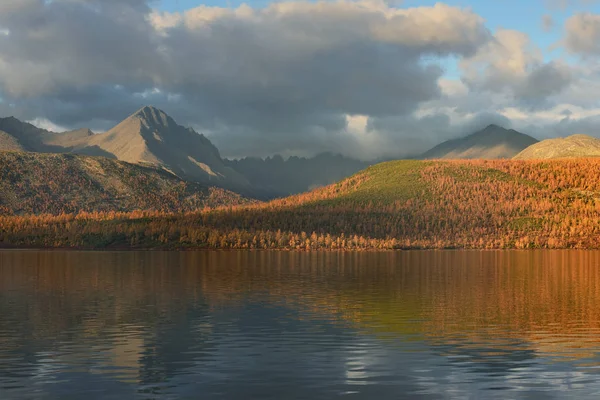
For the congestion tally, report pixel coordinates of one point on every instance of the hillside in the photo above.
(278, 177)
(61, 183)
(16, 135)
(493, 142)
(10, 143)
(148, 137)
(488, 204)
(572, 146)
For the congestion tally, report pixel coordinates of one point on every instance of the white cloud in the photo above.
(582, 34)
(48, 125)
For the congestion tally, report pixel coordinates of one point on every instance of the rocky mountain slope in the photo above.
(148, 137)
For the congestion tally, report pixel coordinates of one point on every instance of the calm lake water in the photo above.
(278, 325)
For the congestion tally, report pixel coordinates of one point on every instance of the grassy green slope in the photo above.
(389, 182)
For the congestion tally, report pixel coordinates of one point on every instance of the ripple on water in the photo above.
(245, 325)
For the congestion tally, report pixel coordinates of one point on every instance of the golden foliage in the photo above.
(396, 205)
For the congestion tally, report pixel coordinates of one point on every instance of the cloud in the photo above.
(582, 34)
(544, 80)
(358, 77)
(69, 44)
(561, 122)
(283, 78)
(512, 63)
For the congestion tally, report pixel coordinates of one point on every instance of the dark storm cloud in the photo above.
(286, 76)
(282, 78)
(542, 82)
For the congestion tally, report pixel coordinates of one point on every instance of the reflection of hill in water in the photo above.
(486, 306)
(481, 300)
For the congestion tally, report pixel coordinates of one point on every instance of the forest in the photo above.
(470, 204)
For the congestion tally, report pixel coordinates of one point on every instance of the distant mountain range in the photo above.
(572, 146)
(151, 137)
(282, 177)
(493, 142)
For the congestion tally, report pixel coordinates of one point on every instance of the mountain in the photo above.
(151, 137)
(411, 204)
(36, 183)
(572, 146)
(16, 135)
(277, 177)
(492, 142)
(148, 137)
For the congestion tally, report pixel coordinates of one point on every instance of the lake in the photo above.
(287, 325)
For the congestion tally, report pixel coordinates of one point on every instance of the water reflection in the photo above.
(299, 325)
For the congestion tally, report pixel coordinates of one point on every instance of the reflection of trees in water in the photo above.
(495, 309)
(118, 308)
(471, 300)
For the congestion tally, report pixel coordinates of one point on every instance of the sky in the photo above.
(365, 78)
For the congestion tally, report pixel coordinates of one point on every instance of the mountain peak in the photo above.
(12, 121)
(492, 128)
(153, 116)
(15, 126)
(491, 142)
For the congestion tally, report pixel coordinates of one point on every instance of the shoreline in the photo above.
(233, 250)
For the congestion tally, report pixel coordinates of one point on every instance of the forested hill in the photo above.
(36, 183)
(393, 205)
